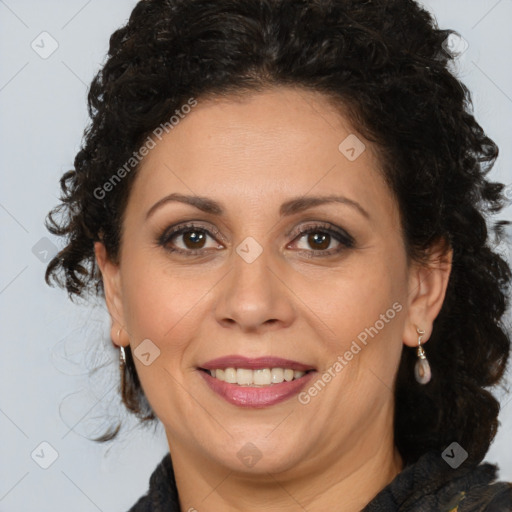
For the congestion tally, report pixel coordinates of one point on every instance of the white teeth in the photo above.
(277, 375)
(259, 377)
(230, 375)
(243, 377)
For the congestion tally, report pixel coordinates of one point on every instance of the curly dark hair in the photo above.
(387, 64)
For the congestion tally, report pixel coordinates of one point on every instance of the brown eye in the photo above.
(194, 239)
(189, 240)
(319, 241)
(322, 240)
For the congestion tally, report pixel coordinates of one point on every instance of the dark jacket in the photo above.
(428, 485)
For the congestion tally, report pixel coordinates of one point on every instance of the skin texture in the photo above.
(251, 155)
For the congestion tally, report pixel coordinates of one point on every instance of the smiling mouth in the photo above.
(255, 377)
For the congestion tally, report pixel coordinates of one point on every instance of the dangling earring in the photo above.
(122, 355)
(422, 372)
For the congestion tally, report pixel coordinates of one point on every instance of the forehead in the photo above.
(283, 140)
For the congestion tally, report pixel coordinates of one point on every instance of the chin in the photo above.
(256, 452)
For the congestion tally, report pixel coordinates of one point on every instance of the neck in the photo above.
(346, 483)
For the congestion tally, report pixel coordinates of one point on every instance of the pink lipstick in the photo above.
(255, 382)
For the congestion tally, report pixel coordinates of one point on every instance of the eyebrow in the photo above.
(201, 203)
(300, 204)
(290, 207)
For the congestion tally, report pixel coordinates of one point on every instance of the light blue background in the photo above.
(48, 343)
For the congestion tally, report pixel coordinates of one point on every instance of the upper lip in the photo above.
(235, 361)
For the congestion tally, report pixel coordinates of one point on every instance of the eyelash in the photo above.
(343, 238)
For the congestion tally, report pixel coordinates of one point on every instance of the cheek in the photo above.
(371, 290)
(161, 306)
(364, 308)
(168, 310)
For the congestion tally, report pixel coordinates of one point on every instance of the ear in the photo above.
(110, 273)
(428, 282)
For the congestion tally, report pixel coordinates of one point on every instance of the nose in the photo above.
(254, 297)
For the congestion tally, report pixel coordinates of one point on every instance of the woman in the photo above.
(283, 203)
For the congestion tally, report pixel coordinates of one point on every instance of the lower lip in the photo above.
(257, 397)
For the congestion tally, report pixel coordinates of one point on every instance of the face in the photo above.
(251, 241)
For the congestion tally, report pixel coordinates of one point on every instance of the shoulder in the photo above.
(431, 485)
(473, 489)
(162, 494)
(496, 497)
